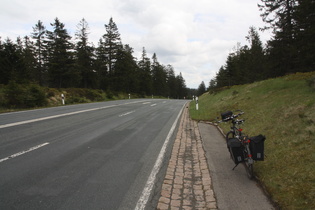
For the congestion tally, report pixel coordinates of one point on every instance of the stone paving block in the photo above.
(164, 200)
(178, 186)
(175, 203)
(177, 191)
(187, 208)
(187, 183)
(166, 194)
(200, 204)
(167, 187)
(162, 206)
(211, 205)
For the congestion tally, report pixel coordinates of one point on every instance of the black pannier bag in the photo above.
(226, 115)
(236, 150)
(256, 146)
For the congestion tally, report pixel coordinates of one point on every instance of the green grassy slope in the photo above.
(282, 109)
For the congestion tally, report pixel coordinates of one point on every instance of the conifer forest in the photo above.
(291, 48)
(55, 59)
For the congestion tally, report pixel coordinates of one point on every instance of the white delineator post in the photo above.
(197, 107)
(63, 99)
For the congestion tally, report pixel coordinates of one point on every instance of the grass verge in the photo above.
(282, 109)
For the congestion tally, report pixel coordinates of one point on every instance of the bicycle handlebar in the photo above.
(241, 112)
(233, 117)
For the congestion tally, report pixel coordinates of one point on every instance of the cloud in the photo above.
(194, 36)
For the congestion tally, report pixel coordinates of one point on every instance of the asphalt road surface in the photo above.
(89, 156)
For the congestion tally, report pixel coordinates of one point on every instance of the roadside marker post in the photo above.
(197, 106)
(63, 99)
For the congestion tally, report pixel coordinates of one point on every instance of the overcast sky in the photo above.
(194, 36)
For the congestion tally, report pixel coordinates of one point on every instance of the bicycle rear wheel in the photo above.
(249, 169)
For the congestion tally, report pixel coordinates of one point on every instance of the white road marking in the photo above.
(151, 180)
(153, 105)
(23, 152)
(52, 117)
(62, 115)
(124, 114)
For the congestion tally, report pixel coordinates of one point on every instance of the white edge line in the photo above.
(23, 152)
(150, 182)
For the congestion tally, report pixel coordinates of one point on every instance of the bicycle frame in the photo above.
(236, 129)
(248, 157)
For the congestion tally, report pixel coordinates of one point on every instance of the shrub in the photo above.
(94, 95)
(77, 100)
(311, 82)
(35, 96)
(24, 96)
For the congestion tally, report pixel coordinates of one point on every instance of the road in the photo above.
(89, 156)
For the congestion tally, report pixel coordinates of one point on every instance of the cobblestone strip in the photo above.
(187, 183)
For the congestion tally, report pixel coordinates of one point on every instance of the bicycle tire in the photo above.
(249, 169)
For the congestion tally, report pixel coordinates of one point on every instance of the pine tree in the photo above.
(159, 76)
(212, 85)
(181, 86)
(101, 66)
(84, 56)
(10, 62)
(4, 76)
(29, 59)
(222, 78)
(305, 21)
(279, 16)
(60, 58)
(255, 58)
(171, 82)
(38, 34)
(145, 74)
(125, 76)
(201, 88)
(112, 44)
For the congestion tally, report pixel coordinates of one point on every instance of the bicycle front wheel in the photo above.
(229, 135)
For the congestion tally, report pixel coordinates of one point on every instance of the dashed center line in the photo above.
(124, 114)
(23, 152)
(62, 115)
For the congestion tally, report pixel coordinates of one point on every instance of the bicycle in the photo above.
(242, 149)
